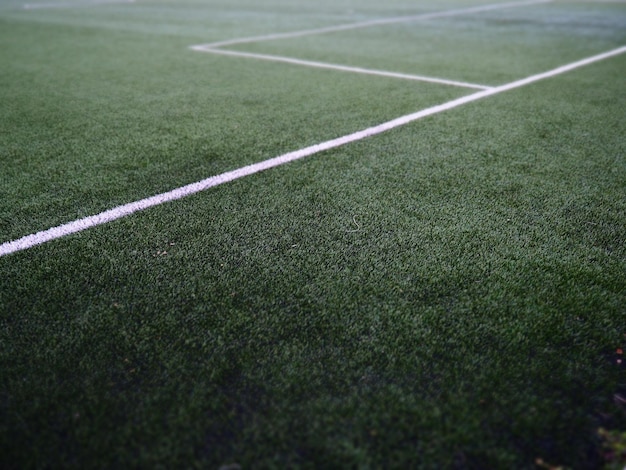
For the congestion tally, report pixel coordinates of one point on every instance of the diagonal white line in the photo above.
(343, 68)
(127, 209)
(379, 22)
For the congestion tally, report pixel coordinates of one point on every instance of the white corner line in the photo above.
(343, 68)
(378, 22)
(44, 236)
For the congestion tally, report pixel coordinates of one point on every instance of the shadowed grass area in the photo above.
(446, 295)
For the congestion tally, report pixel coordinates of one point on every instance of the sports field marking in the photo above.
(218, 47)
(343, 68)
(127, 209)
(378, 22)
(41, 6)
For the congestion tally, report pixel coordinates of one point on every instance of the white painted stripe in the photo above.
(41, 6)
(343, 68)
(379, 22)
(127, 209)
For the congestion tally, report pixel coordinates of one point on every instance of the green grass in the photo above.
(539, 39)
(450, 294)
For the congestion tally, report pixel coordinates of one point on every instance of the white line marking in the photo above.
(216, 47)
(128, 209)
(343, 68)
(379, 22)
(40, 6)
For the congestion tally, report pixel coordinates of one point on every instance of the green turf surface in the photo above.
(538, 38)
(450, 294)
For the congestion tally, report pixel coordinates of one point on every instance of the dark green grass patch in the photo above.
(421, 299)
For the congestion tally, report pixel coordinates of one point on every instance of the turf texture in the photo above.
(450, 294)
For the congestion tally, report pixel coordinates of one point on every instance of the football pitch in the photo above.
(312, 234)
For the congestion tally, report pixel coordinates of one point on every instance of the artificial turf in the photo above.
(450, 294)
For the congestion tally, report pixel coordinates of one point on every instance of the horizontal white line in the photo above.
(343, 68)
(127, 209)
(379, 22)
(40, 6)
